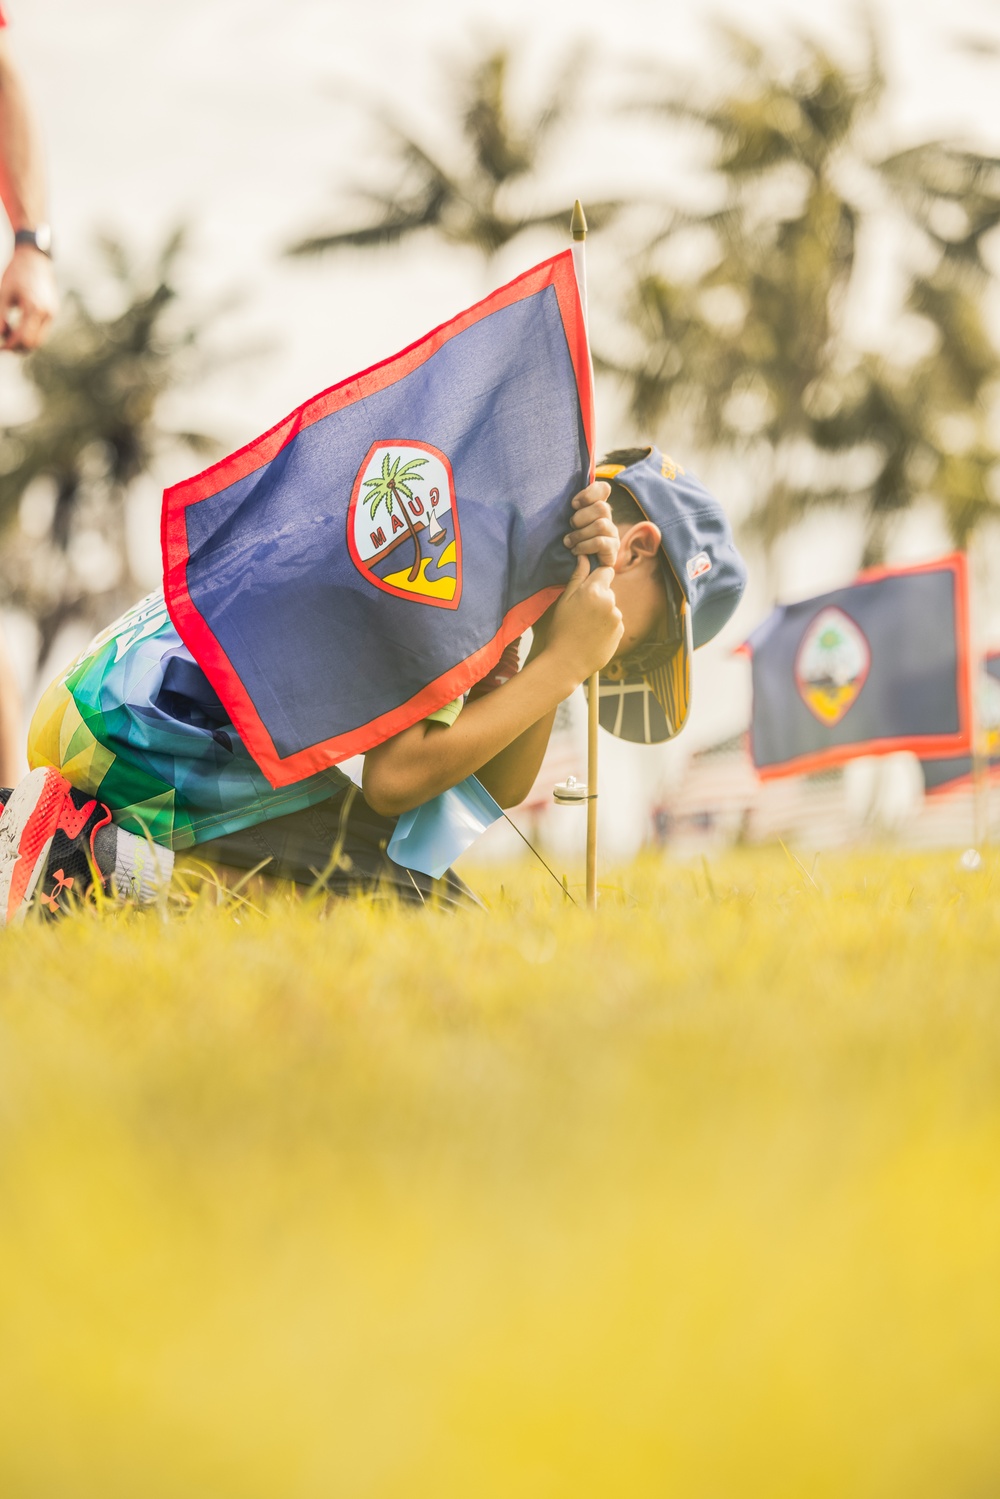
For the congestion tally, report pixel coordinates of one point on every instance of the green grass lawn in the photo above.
(697, 1198)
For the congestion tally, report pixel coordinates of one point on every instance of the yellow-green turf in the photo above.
(699, 1198)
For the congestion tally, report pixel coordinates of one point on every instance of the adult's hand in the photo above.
(28, 299)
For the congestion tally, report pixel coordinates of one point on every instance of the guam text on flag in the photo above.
(368, 559)
(956, 772)
(881, 665)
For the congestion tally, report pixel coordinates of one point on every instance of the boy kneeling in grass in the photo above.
(133, 755)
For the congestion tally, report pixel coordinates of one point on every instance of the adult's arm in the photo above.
(11, 731)
(28, 298)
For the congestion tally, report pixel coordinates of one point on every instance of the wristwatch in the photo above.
(40, 238)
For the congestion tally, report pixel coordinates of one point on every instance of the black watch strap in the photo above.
(40, 238)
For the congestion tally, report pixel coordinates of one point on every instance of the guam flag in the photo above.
(956, 772)
(879, 666)
(367, 560)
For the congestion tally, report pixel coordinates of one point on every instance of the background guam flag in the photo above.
(369, 558)
(881, 665)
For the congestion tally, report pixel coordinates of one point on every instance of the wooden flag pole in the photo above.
(578, 229)
(593, 688)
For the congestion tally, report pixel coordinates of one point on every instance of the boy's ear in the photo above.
(638, 544)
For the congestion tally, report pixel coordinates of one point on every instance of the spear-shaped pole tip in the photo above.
(578, 223)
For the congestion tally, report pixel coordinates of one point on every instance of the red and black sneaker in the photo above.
(47, 845)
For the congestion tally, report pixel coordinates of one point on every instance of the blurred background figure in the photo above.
(27, 289)
(27, 303)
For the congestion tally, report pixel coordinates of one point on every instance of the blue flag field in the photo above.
(879, 666)
(369, 558)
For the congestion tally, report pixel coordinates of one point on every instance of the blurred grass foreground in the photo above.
(698, 1198)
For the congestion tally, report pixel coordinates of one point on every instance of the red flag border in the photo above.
(927, 746)
(557, 272)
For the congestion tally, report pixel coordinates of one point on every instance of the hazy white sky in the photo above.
(236, 116)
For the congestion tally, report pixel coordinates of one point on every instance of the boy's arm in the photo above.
(427, 759)
(510, 775)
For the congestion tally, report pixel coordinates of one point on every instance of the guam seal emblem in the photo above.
(402, 524)
(832, 665)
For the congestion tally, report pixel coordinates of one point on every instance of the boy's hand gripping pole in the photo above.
(578, 229)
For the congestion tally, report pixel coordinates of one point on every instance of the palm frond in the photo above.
(203, 443)
(459, 195)
(407, 469)
(563, 92)
(115, 257)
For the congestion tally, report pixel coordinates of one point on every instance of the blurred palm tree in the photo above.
(929, 418)
(98, 382)
(738, 311)
(476, 195)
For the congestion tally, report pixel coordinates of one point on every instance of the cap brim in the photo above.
(650, 708)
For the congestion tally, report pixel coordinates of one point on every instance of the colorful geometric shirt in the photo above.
(136, 723)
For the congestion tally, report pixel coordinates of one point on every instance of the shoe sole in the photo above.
(27, 827)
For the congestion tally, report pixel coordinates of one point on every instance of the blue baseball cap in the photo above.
(646, 696)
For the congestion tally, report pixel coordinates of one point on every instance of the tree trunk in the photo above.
(67, 494)
(874, 551)
(418, 555)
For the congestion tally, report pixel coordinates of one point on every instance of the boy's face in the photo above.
(639, 587)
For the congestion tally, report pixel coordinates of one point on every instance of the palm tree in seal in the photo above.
(393, 485)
